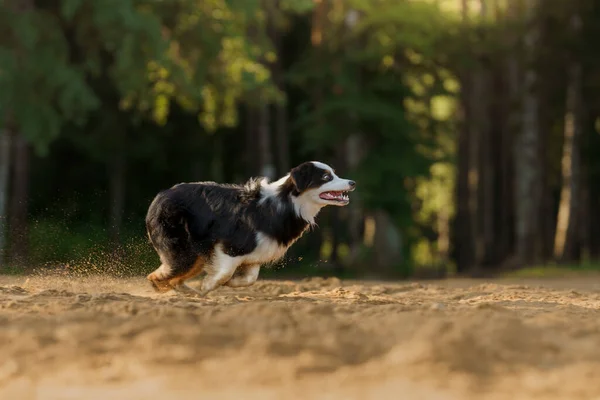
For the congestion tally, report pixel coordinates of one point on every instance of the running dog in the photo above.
(228, 231)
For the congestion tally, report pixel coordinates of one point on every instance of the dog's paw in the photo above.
(187, 291)
(159, 287)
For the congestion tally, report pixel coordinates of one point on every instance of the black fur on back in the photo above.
(189, 219)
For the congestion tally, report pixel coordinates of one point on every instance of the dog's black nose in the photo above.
(352, 184)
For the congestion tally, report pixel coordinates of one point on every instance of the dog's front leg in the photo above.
(220, 270)
(246, 277)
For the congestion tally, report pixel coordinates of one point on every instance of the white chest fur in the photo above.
(267, 250)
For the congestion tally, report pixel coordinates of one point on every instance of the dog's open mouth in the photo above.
(339, 196)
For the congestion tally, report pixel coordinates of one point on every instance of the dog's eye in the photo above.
(327, 177)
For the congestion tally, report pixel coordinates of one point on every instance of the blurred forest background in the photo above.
(469, 125)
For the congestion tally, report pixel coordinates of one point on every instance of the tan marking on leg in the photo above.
(158, 281)
(195, 270)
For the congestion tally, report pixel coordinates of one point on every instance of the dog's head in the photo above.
(317, 183)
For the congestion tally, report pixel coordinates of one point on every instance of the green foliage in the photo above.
(196, 52)
(36, 101)
(212, 62)
(297, 6)
(556, 271)
(393, 25)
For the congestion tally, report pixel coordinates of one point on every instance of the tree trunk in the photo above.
(474, 168)
(443, 239)
(547, 213)
(387, 245)
(527, 157)
(502, 160)
(117, 195)
(464, 247)
(18, 225)
(585, 215)
(318, 20)
(566, 225)
(584, 218)
(217, 167)
(282, 140)
(591, 175)
(463, 234)
(251, 140)
(19, 193)
(473, 165)
(485, 232)
(353, 155)
(513, 127)
(265, 154)
(5, 147)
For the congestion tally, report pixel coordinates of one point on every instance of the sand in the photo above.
(105, 338)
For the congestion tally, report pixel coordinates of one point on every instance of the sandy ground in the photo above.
(102, 338)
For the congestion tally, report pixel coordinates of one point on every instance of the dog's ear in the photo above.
(302, 176)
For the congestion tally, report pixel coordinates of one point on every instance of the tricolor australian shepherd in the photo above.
(229, 231)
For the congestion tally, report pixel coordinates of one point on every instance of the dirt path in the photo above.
(102, 338)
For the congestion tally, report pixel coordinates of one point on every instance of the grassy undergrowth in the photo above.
(556, 271)
(85, 249)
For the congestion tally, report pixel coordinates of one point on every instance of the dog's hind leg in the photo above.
(159, 279)
(178, 282)
(175, 271)
(246, 275)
